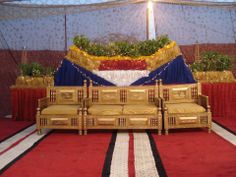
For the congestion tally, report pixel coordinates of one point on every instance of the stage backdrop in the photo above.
(175, 71)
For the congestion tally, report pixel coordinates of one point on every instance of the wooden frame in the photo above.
(184, 93)
(59, 95)
(121, 96)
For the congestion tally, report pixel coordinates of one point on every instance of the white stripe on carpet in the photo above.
(143, 157)
(224, 133)
(119, 163)
(8, 142)
(19, 149)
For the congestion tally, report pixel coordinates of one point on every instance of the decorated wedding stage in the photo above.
(167, 64)
(128, 153)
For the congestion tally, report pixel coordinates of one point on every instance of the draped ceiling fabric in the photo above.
(51, 24)
(196, 24)
(53, 28)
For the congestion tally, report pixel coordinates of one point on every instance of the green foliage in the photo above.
(212, 61)
(26, 69)
(197, 66)
(81, 41)
(148, 47)
(123, 48)
(49, 71)
(97, 50)
(35, 70)
(163, 40)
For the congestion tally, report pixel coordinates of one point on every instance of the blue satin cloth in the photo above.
(173, 72)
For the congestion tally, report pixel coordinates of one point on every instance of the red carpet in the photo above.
(229, 123)
(64, 154)
(187, 153)
(9, 127)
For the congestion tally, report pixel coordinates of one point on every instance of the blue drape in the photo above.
(176, 71)
(70, 74)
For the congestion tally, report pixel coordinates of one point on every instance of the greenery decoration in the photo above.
(212, 61)
(122, 48)
(36, 70)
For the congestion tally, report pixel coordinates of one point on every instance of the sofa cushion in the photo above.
(61, 109)
(184, 108)
(105, 110)
(132, 109)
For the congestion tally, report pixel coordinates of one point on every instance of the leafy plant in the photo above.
(123, 48)
(36, 70)
(197, 67)
(26, 69)
(49, 71)
(97, 50)
(148, 47)
(212, 61)
(81, 41)
(163, 40)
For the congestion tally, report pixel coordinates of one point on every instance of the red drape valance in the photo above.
(222, 98)
(25, 101)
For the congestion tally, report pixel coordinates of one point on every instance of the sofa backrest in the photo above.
(123, 95)
(179, 93)
(140, 94)
(66, 95)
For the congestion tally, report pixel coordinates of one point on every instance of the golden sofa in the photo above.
(131, 107)
(61, 108)
(184, 106)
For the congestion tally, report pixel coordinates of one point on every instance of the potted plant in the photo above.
(213, 67)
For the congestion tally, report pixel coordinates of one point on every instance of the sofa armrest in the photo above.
(203, 101)
(43, 103)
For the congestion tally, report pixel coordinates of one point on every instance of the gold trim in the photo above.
(109, 91)
(214, 76)
(180, 89)
(139, 91)
(27, 81)
(62, 119)
(163, 55)
(187, 118)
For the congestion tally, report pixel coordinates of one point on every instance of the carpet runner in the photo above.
(226, 123)
(191, 152)
(10, 127)
(195, 153)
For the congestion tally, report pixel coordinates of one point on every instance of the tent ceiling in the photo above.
(58, 2)
(87, 2)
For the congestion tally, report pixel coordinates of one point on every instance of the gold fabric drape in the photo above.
(214, 76)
